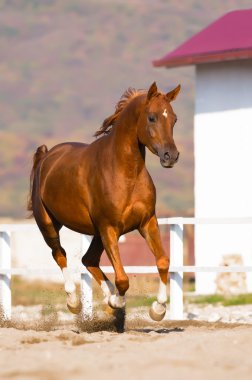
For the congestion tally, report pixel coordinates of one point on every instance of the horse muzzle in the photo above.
(169, 160)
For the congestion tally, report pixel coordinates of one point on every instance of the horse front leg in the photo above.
(150, 232)
(109, 238)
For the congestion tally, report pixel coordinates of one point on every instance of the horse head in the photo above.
(156, 123)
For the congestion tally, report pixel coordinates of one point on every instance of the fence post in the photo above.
(86, 283)
(176, 278)
(5, 279)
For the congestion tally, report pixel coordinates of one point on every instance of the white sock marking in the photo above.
(69, 283)
(117, 301)
(162, 293)
(108, 289)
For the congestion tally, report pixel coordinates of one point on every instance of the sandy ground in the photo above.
(145, 350)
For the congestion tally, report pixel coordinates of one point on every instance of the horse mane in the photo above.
(126, 97)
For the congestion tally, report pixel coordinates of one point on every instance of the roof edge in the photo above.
(204, 58)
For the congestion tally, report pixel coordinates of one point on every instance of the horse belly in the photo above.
(76, 220)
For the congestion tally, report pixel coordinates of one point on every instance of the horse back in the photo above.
(61, 163)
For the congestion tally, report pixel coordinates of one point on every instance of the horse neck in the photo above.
(124, 136)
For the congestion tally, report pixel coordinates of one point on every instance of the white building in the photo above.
(222, 53)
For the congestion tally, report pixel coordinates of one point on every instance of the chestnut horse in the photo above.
(104, 189)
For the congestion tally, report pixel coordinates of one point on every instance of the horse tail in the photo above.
(38, 155)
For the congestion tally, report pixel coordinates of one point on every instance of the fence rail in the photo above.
(176, 264)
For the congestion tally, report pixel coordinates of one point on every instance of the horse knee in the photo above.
(163, 264)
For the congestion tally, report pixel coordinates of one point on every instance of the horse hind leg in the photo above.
(91, 260)
(50, 231)
(59, 255)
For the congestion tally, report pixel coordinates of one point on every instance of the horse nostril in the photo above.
(166, 156)
(177, 157)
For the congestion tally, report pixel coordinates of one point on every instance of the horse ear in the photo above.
(173, 93)
(152, 91)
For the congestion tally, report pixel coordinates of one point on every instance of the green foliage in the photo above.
(212, 299)
(230, 300)
(36, 293)
(241, 299)
(140, 301)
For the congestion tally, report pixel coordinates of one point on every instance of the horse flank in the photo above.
(127, 96)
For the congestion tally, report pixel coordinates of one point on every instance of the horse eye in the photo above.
(152, 118)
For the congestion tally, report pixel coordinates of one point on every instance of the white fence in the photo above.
(176, 264)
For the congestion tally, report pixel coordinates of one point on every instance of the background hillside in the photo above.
(63, 66)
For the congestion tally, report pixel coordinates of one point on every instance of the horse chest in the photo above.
(140, 205)
(138, 196)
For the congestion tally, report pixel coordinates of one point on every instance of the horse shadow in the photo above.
(159, 331)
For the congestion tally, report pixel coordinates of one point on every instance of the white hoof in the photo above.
(73, 303)
(157, 311)
(116, 302)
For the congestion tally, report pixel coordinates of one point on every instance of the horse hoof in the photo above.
(157, 311)
(75, 309)
(116, 302)
(74, 306)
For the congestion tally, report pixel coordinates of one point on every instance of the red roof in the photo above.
(228, 38)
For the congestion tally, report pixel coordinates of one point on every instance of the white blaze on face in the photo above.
(165, 114)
